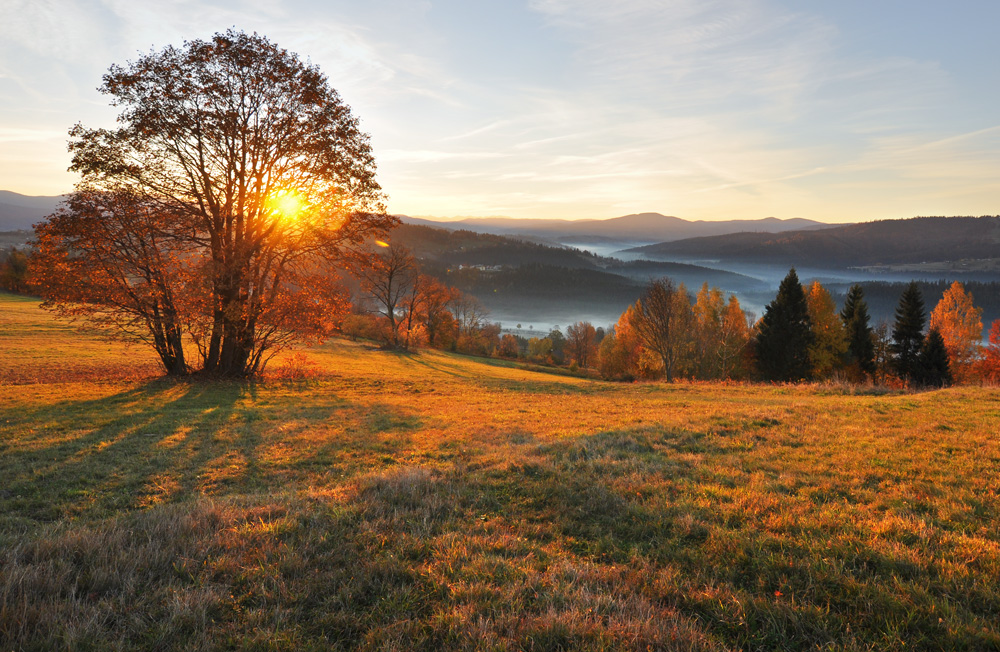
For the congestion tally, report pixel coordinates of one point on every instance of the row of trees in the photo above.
(664, 334)
(404, 308)
(801, 336)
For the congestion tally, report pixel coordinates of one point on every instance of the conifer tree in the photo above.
(785, 334)
(933, 367)
(908, 333)
(860, 347)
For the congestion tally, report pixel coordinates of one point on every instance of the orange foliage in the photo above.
(960, 323)
(830, 341)
(990, 364)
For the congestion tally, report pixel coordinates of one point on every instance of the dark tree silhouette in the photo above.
(785, 334)
(908, 333)
(933, 367)
(860, 344)
(262, 180)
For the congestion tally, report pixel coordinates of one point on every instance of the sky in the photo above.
(841, 111)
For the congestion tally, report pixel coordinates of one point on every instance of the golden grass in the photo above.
(431, 501)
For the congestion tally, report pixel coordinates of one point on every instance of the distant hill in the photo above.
(464, 247)
(884, 242)
(527, 281)
(440, 249)
(640, 227)
(19, 212)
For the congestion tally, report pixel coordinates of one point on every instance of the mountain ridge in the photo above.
(880, 242)
(639, 227)
(19, 212)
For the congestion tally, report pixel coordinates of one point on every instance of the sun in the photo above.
(286, 203)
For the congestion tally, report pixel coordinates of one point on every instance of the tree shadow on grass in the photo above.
(98, 456)
(166, 441)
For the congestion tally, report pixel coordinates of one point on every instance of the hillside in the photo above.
(368, 500)
(20, 212)
(640, 227)
(525, 281)
(920, 239)
(462, 247)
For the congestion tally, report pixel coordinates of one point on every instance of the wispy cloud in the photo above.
(568, 108)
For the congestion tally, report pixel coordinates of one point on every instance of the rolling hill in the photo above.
(19, 212)
(915, 240)
(520, 280)
(640, 227)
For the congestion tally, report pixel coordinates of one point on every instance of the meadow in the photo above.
(365, 500)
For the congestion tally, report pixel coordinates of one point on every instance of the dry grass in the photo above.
(387, 501)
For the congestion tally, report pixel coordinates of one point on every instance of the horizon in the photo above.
(445, 219)
(577, 110)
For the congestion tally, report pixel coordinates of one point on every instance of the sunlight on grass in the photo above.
(431, 501)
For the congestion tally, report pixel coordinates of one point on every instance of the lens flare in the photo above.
(286, 203)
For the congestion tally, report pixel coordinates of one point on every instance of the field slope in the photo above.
(435, 502)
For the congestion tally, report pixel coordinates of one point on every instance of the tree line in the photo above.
(669, 334)
(801, 337)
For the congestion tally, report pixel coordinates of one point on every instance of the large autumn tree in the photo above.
(254, 183)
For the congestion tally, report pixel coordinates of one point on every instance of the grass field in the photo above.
(435, 502)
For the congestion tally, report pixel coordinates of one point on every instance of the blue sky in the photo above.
(704, 109)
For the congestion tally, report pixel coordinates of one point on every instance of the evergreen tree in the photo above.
(860, 344)
(785, 334)
(933, 366)
(908, 333)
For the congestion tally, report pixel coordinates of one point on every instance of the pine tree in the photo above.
(908, 333)
(933, 361)
(785, 334)
(860, 347)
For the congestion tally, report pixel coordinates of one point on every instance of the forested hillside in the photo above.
(916, 240)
